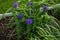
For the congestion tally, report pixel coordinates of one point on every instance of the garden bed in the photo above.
(31, 21)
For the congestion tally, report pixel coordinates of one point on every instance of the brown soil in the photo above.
(5, 31)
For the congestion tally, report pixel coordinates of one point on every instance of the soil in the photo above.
(5, 32)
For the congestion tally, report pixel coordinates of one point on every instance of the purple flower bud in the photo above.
(15, 5)
(29, 21)
(20, 16)
(44, 7)
(30, 3)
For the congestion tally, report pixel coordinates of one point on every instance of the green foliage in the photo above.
(5, 5)
(44, 27)
(57, 12)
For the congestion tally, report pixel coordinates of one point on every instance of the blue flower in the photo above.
(20, 16)
(30, 3)
(29, 21)
(44, 6)
(15, 5)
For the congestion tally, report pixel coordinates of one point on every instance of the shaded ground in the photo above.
(5, 32)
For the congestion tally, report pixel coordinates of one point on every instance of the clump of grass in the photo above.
(33, 22)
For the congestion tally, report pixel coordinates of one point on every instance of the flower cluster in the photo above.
(15, 5)
(28, 21)
(30, 3)
(44, 8)
(20, 16)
